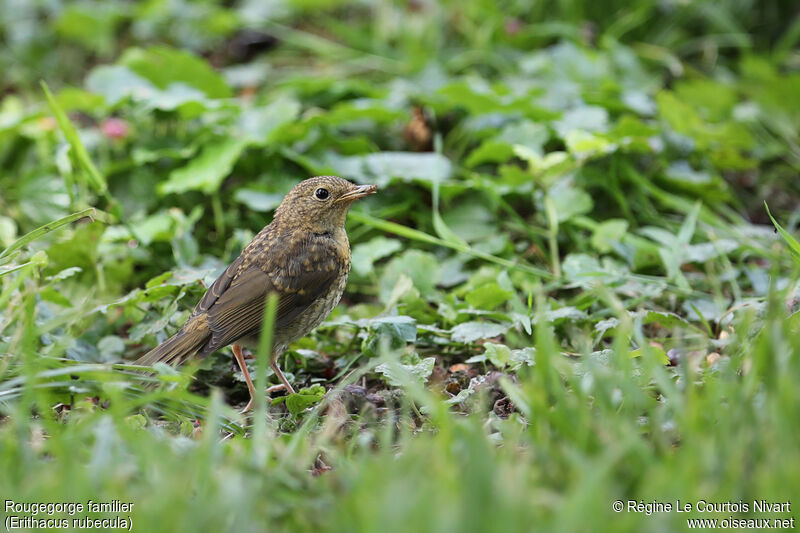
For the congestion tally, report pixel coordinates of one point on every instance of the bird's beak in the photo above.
(358, 192)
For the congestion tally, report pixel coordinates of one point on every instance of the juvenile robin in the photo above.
(302, 256)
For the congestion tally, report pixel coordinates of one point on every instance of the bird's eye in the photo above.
(321, 194)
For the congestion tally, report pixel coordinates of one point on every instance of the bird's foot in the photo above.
(270, 390)
(247, 407)
(276, 388)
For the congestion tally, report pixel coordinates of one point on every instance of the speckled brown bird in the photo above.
(303, 256)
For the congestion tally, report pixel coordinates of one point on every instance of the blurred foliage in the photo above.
(568, 290)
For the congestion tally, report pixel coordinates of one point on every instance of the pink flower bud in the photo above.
(513, 26)
(115, 128)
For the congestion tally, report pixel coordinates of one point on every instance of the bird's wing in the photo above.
(218, 287)
(195, 334)
(238, 311)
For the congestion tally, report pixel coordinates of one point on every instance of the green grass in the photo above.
(567, 292)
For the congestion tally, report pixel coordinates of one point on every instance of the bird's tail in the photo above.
(178, 348)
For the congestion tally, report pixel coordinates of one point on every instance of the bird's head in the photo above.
(320, 203)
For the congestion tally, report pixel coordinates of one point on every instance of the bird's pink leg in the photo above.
(237, 353)
(274, 366)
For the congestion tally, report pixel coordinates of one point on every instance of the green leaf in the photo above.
(478, 99)
(607, 233)
(488, 296)
(411, 367)
(163, 66)
(606, 326)
(362, 109)
(263, 202)
(502, 356)
(394, 331)
(589, 119)
(137, 422)
(65, 274)
(423, 269)
(569, 200)
(158, 280)
(178, 96)
(467, 332)
(207, 171)
(562, 314)
(91, 25)
(380, 168)
(498, 354)
(301, 400)
(660, 354)
(49, 294)
(583, 269)
(490, 151)
(583, 144)
(365, 254)
(471, 220)
(682, 172)
(74, 99)
(401, 328)
(663, 319)
(704, 310)
(700, 253)
(259, 124)
(552, 164)
(632, 134)
(725, 140)
(117, 82)
(111, 347)
(8, 231)
(159, 227)
(500, 148)
(715, 99)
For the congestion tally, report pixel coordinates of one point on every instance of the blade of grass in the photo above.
(16, 268)
(442, 229)
(679, 203)
(47, 228)
(421, 236)
(262, 357)
(552, 235)
(793, 243)
(332, 49)
(95, 179)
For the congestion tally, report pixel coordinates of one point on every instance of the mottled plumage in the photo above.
(303, 256)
